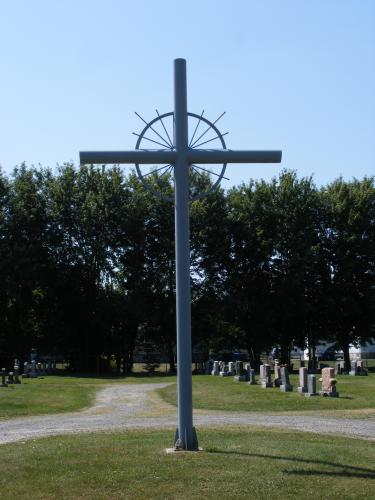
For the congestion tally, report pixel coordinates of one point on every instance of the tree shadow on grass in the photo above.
(346, 470)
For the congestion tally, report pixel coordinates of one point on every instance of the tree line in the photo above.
(87, 265)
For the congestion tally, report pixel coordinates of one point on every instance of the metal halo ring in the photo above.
(150, 187)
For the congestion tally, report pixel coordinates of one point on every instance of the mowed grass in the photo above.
(237, 462)
(222, 393)
(57, 394)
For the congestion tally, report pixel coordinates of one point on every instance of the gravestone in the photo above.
(339, 367)
(240, 372)
(26, 371)
(361, 370)
(238, 367)
(33, 373)
(247, 371)
(252, 380)
(208, 366)
(328, 383)
(3, 376)
(285, 386)
(265, 376)
(277, 375)
(311, 386)
(50, 367)
(10, 380)
(353, 368)
(302, 380)
(231, 368)
(224, 370)
(215, 371)
(16, 374)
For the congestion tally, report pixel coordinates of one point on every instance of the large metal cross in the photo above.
(181, 157)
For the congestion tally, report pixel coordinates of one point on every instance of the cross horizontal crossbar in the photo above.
(170, 157)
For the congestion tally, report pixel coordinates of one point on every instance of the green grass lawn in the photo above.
(238, 462)
(55, 394)
(222, 393)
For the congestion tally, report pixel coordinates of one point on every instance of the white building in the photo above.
(365, 350)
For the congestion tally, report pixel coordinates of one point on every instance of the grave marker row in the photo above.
(307, 383)
(357, 368)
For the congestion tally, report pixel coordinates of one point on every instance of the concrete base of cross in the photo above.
(180, 445)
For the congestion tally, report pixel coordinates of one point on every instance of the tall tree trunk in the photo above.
(172, 366)
(345, 348)
(128, 361)
(254, 356)
(314, 364)
(284, 354)
(118, 363)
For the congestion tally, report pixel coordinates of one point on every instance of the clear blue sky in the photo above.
(296, 75)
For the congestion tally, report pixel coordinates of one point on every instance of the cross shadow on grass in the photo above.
(345, 470)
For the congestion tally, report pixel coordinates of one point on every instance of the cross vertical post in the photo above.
(186, 438)
(181, 158)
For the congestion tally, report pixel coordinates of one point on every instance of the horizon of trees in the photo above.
(87, 265)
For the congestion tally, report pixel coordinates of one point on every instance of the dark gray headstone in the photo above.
(302, 380)
(265, 376)
(239, 368)
(285, 383)
(277, 375)
(311, 386)
(16, 374)
(3, 376)
(252, 380)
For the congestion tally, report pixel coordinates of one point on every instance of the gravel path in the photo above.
(138, 406)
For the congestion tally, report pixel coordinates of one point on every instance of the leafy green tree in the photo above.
(87, 206)
(26, 260)
(210, 250)
(248, 284)
(4, 258)
(350, 245)
(297, 265)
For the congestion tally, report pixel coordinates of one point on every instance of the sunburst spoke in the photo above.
(207, 129)
(152, 140)
(169, 169)
(208, 171)
(196, 128)
(210, 140)
(155, 131)
(157, 170)
(165, 130)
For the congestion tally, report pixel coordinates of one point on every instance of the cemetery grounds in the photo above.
(254, 461)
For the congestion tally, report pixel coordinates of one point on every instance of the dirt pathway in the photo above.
(138, 406)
